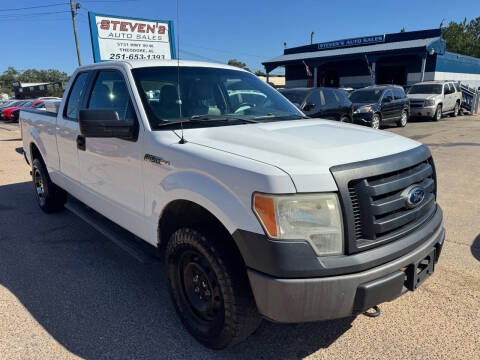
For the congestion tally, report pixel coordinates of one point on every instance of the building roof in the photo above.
(421, 41)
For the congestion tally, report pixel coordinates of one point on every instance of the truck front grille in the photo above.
(374, 197)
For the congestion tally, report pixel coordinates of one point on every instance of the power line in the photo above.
(200, 56)
(6, 16)
(227, 52)
(35, 7)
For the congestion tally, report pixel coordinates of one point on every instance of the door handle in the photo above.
(81, 142)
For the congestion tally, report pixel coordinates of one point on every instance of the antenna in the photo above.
(179, 99)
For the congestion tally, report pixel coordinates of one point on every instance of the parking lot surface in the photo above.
(67, 292)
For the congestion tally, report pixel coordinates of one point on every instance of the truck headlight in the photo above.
(316, 218)
(429, 102)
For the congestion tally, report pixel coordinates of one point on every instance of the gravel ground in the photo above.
(67, 292)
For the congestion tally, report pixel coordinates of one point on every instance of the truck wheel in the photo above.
(375, 124)
(438, 113)
(49, 197)
(456, 110)
(210, 289)
(403, 120)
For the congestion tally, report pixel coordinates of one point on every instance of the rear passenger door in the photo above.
(68, 131)
(388, 106)
(400, 100)
(332, 104)
(111, 168)
(448, 100)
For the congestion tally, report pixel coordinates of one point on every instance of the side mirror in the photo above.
(106, 124)
(308, 107)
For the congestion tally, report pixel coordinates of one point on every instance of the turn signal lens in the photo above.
(265, 210)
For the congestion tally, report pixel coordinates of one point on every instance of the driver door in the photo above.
(111, 168)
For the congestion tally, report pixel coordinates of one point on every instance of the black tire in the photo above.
(210, 288)
(456, 109)
(49, 197)
(403, 120)
(438, 113)
(376, 122)
(345, 119)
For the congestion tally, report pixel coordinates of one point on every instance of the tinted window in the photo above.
(110, 93)
(387, 95)
(457, 86)
(446, 89)
(295, 96)
(342, 95)
(330, 97)
(366, 96)
(75, 97)
(398, 93)
(316, 98)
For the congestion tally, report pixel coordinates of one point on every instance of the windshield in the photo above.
(426, 89)
(208, 93)
(366, 96)
(295, 96)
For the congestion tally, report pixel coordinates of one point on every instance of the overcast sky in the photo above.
(214, 30)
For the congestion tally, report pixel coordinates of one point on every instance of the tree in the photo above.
(260, 73)
(402, 29)
(463, 37)
(241, 65)
(57, 92)
(11, 75)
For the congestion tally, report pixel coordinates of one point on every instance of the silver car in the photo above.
(434, 99)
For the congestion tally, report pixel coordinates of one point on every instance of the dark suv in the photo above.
(379, 104)
(321, 102)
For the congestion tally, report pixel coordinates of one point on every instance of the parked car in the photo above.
(259, 211)
(433, 99)
(7, 112)
(379, 104)
(321, 102)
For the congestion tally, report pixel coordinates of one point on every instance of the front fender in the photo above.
(231, 209)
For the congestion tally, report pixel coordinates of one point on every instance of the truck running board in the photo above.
(137, 248)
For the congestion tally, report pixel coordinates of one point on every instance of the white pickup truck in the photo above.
(260, 212)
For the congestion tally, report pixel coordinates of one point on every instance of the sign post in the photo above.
(125, 38)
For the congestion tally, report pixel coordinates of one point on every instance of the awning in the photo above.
(418, 45)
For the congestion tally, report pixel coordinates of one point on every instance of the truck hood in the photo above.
(421, 96)
(304, 149)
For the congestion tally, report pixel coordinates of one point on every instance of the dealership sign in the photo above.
(125, 38)
(366, 40)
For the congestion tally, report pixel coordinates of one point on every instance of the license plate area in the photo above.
(418, 272)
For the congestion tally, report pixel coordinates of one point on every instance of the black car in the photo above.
(321, 102)
(379, 104)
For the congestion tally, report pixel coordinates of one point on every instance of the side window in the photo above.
(110, 93)
(387, 95)
(330, 98)
(75, 96)
(452, 88)
(446, 89)
(315, 98)
(457, 86)
(398, 93)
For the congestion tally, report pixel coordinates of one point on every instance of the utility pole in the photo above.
(77, 6)
(311, 37)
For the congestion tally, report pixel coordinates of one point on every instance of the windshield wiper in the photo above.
(205, 118)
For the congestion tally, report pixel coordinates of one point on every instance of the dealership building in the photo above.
(402, 58)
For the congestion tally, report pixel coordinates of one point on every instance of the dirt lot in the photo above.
(67, 292)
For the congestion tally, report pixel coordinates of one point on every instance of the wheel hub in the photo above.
(39, 186)
(200, 288)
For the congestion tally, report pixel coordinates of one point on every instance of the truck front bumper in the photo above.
(290, 300)
(424, 111)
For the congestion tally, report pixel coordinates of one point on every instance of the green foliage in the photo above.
(260, 73)
(463, 38)
(11, 75)
(57, 92)
(241, 65)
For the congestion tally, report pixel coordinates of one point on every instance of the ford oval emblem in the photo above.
(414, 195)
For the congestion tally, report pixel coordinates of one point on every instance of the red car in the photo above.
(7, 113)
